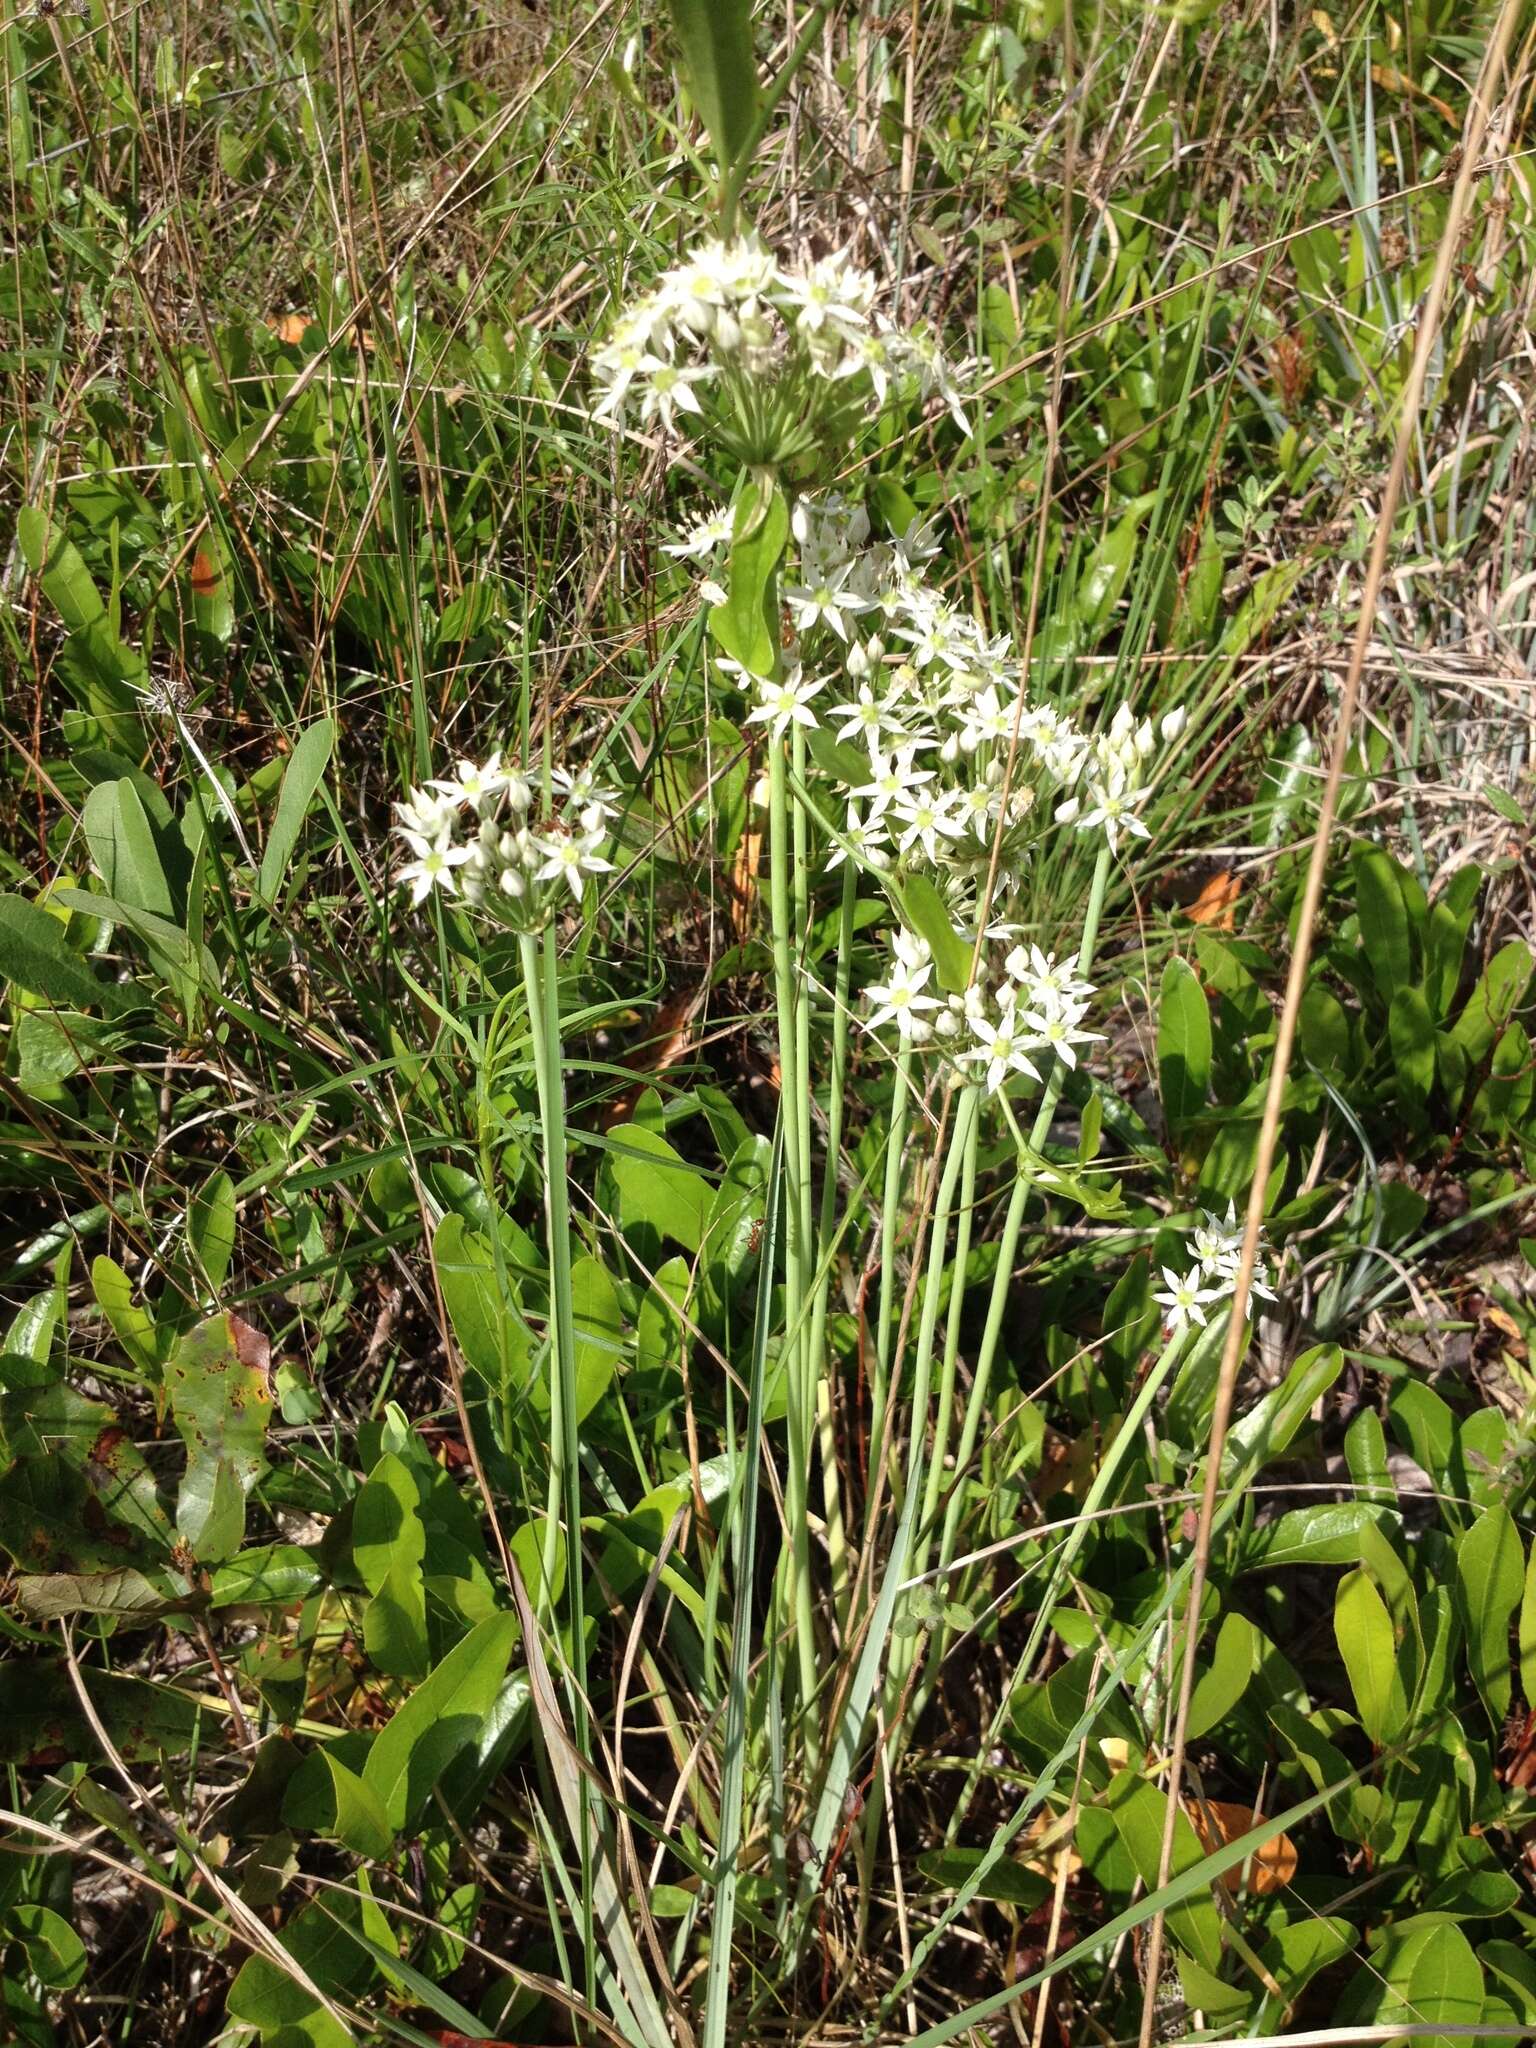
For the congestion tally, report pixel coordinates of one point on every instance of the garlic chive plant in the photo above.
(912, 774)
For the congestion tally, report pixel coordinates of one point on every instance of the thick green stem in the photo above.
(837, 1540)
(797, 1248)
(890, 1218)
(541, 981)
(1008, 1245)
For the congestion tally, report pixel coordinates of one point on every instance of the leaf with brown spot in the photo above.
(221, 1398)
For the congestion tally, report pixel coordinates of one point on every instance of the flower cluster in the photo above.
(732, 319)
(1217, 1245)
(486, 835)
(1020, 1004)
(945, 758)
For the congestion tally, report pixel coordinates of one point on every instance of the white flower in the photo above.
(1057, 1027)
(1043, 979)
(1185, 1300)
(569, 859)
(707, 533)
(1001, 1047)
(1112, 807)
(866, 719)
(669, 389)
(924, 819)
(433, 866)
(834, 294)
(892, 776)
(1173, 724)
(828, 601)
(863, 841)
(425, 815)
(785, 704)
(472, 783)
(901, 1000)
(583, 790)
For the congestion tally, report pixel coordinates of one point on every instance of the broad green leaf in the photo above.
(389, 1544)
(1321, 1535)
(747, 624)
(1183, 1045)
(1411, 1031)
(386, 1522)
(490, 1333)
(124, 850)
(211, 1229)
(221, 1399)
(1490, 1571)
(126, 1593)
(1270, 1425)
(268, 1575)
(1008, 1882)
(924, 909)
(656, 1188)
(1138, 1806)
(442, 1716)
(133, 1327)
(1294, 1955)
(715, 41)
(1436, 1978)
(326, 1798)
(59, 568)
(301, 778)
(599, 1333)
(56, 1955)
(1365, 1451)
(1526, 1641)
(1218, 1690)
(1427, 1426)
(1494, 1001)
(35, 954)
(1383, 915)
(1104, 577)
(1323, 1029)
(1363, 1629)
(41, 1720)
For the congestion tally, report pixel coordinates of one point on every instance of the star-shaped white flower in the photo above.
(1184, 1300)
(901, 1000)
(786, 703)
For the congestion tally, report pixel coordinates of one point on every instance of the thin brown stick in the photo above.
(1483, 99)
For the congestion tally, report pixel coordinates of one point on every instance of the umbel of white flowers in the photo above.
(485, 836)
(1217, 1244)
(764, 350)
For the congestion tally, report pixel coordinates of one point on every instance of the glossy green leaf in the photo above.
(301, 778)
(1138, 1807)
(656, 1188)
(1491, 1572)
(1384, 927)
(1218, 1689)
(715, 42)
(1411, 1033)
(1499, 993)
(211, 1229)
(56, 1955)
(925, 910)
(1183, 1045)
(133, 1326)
(324, 1797)
(442, 1716)
(489, 1331)
(35, 954)
(1327, 1534)
(747, 624)
(1007, 1882)
(389, 1544)
(1363, 1630)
